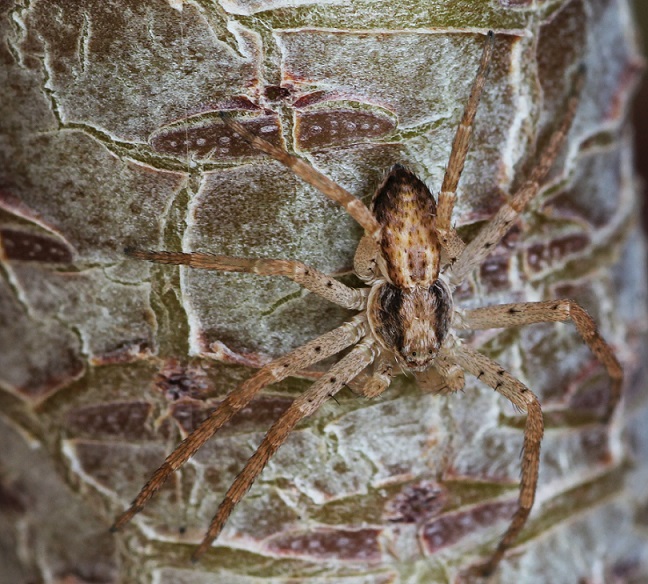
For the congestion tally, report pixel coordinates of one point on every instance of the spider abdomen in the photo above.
(409, 246)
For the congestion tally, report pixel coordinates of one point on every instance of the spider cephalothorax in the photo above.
(411, 258)
(411, 323)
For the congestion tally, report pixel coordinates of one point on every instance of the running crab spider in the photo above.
(411, 259)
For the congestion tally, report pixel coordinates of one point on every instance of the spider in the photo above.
(411, 259)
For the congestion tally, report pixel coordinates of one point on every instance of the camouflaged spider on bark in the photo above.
(411, 259)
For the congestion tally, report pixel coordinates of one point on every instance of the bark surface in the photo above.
(110, 137)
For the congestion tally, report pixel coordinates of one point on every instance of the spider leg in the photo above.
(492, 233)
(353, 206)
(516, 392)
(305, 405)
(460, 144)
(310, 278)
(323, 346)
(510, 315)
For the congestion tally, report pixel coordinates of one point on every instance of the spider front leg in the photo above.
(521, 396)
(316, 350)
(353, 206)
(491, 234)
(310, 278)
(305, 405)
(520, 314)
(450, 241)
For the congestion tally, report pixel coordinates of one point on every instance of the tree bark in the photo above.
(111, 138)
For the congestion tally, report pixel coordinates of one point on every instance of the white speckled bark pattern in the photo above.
(109, 136)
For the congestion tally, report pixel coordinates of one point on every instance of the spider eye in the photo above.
(413, 353)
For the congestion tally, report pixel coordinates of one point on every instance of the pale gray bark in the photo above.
(104, 362)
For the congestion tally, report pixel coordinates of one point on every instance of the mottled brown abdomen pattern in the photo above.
(406, 212)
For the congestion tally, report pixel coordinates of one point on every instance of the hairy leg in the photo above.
(510, 315)
(516, 392)
(310, 278)
(491, 234)
(324, 346)
(305, 405)
(354, 206)
(460, 145)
